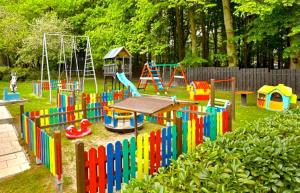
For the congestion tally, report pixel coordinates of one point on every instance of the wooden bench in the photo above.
(244, 96)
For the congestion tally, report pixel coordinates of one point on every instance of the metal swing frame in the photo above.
(89, 68)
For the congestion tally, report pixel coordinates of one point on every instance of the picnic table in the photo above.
(244, 96)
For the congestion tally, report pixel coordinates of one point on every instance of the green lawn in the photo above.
(38, 179)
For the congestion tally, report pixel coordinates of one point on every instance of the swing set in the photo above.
(172, 73)
(65, 67)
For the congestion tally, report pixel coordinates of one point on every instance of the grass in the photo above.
(38, 179)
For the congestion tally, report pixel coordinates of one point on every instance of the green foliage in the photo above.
(190, 60)
(261, 157)
(31, 51)
(22, 73)
(3, 72)
(272, 19)
(13, 29)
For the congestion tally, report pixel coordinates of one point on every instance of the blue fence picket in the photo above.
(118, 158)
(169, 145)
(110, 168)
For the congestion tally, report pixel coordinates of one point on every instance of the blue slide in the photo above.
(123, 79)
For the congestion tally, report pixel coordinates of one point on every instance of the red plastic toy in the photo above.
(73, 133)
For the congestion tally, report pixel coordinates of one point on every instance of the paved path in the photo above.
(12, 157)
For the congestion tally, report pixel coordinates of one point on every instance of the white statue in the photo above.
(13, 82)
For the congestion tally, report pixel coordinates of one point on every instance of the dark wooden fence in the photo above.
(248, 79)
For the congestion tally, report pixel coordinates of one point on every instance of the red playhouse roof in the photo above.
(200, 85)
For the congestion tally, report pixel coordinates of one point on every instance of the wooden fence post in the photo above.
(212, 92)
(168, 118)
(58, 160)
(230, 121)
(21, 119)
(178, 122)
(84, 107)
(80, 167)
(57, 96)
(233, 85)
(37, 124)
(135, 124)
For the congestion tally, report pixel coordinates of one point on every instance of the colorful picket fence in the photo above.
(63, 100)
(39, 86)
(107, 167)
(216, 121)
(58, 117)
(105, 98)
(45, 147)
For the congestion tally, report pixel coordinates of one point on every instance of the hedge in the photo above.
(264, 156)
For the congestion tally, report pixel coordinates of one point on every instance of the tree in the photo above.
(228, 21)
(13, 29)
(31, 52)
(275, 22)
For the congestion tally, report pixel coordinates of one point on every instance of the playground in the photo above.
(143, 96)
(102, 136)
(99, 141)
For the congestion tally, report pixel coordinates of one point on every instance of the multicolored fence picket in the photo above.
(64, 100)
(105, 98)
(46, 147)
(215, 120)
(39, 86)
(105, 169)
(58, 117)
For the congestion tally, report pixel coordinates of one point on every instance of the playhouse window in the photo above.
(261, 96)
(276, 97)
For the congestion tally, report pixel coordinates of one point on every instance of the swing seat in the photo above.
(73, 133)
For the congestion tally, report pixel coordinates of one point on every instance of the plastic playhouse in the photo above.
(276, 98)
(199, 90)
(121, 121)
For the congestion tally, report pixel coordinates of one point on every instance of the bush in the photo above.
(22, 73)
(3, 71)
(261, 157)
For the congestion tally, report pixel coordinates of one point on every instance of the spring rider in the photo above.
(73, 133)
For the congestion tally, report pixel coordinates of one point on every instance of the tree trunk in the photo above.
(180, 33)
(193, 31)
(295, 57)
(205, 37)
(215, 36)
(231, 51)
(295, 61)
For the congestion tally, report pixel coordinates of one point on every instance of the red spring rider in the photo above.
(73, 133)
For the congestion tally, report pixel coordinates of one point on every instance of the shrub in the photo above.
(261, 157)
(22, 73)
(3, 71)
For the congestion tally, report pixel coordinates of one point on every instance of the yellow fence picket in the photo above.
(139, 157)
(146, 154)
(42, 120)
(47, 119)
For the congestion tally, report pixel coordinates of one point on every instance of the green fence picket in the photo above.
(125, 161)
(132, 158)
(174, 142)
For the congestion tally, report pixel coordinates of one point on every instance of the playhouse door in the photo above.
(276, 102)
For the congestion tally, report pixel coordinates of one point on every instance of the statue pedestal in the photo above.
(10, 96)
